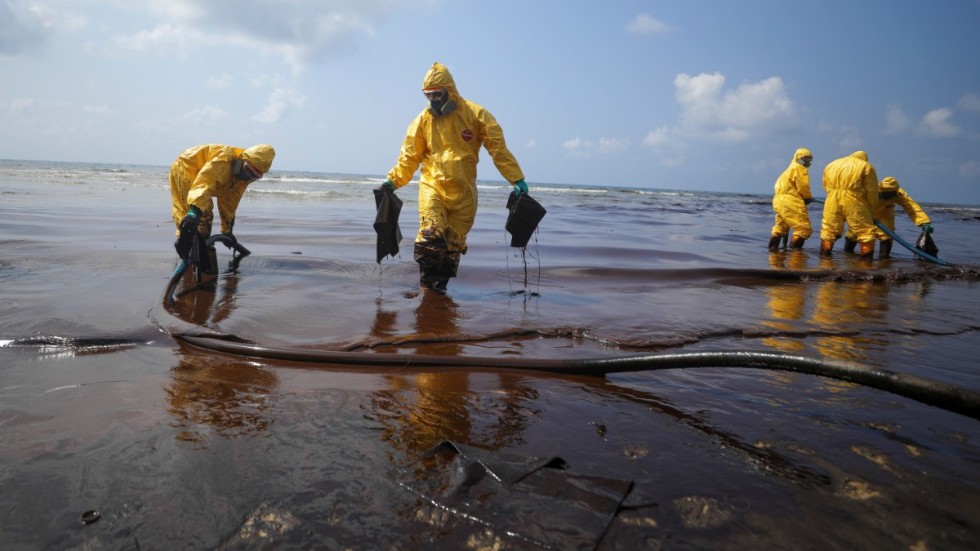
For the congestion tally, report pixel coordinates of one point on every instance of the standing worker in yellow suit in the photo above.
(223, 172)
(889, 195)
(445, 139)
(852, 194)
(792, 195)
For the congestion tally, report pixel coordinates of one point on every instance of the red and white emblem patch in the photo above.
(467, 134)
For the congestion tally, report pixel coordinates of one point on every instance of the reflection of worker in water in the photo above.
(889, 195)
(792, 195)
(852, 193)
(419, 411)
(211, 393)
(207, 172)
(843, 310)
(200, 307)
(445, 140)
(786, 302)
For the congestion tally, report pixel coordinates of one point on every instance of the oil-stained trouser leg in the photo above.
(436, 263)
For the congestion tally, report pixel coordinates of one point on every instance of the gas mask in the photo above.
(886, 195)
(245, 172)
(439, 102)
(805, 161)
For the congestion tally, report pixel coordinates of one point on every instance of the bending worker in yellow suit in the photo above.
(852, 194)
(445, 140)
(211, 171)
(792, 195)
(889, 195)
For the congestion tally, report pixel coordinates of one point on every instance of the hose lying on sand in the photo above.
(923, 390)
(929, 392)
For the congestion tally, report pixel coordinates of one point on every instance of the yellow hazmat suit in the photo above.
(852, 193)
(792, 189)
(206, 171)
(884, 212)
(447, 146)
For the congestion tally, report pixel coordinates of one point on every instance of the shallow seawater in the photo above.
(176, 446)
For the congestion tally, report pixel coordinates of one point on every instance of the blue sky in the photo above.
(711, 95)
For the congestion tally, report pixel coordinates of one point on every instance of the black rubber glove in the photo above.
(191, 220)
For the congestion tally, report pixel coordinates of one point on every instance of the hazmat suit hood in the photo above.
(438, 76)
(260, 156)
(860, 155)
(888, 184)
(800, 153)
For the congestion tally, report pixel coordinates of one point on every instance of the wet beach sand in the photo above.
(116, 435)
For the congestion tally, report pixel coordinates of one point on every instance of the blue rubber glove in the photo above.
(191, 220)
(519, 187)
(927, 227)
(387, 185)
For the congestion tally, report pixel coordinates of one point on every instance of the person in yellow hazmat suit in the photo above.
(792, 195)
(852, 194)
(889, 195)
(205, 172)
(445, 139)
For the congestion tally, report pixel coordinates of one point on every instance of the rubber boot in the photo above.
(797, 242)
(436, 264)
(886, 249)
(774, 242)
(868, 249)
(849, 245)
(826, 247)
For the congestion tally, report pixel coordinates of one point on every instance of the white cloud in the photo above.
(646, 24)
(299, 32)
(969, 102)
(51, 18)
(165, 40)
(531, 144)
(207, 115)
(733, 115)
(657, 137)
(577, 147)
(936, 123)
(897, 120)
(279, 102)
(612, 145)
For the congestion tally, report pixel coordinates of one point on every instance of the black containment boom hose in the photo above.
(929, 392)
